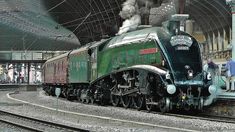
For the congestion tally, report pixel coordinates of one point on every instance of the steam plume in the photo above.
(130, 12)
(164, 12)
(130, 24)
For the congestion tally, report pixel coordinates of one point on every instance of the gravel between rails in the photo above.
(108, 111)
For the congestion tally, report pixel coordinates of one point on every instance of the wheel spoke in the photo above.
(92, 100)
(149, 106)
(115, 99)
(138, 102)
(83, 100)
(79, 94)
(126, 100)
(87, 100)
(68, 95)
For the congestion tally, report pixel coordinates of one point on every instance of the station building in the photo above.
(33, 31)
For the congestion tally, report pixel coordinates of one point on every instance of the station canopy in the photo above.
(26, 25)
(67, 24)
(210, 15)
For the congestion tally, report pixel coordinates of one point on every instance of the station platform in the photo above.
(223, 94)
(21, 87)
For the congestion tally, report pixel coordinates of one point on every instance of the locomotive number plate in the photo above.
(182, 48)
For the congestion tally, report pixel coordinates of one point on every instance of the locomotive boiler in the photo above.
(152, 67)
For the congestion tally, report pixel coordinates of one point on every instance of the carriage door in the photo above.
(93, 63)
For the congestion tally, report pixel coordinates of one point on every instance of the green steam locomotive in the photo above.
(151, 67)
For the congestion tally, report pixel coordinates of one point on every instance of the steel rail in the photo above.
(37, 121)
(20, 125)
(218, 118)
(200, 116)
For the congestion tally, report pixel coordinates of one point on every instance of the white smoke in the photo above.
(164, 12)
(130, 24)
(129, 8)
(144, 3)
(130, 12)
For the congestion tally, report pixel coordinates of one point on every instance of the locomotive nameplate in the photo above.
(181, 40)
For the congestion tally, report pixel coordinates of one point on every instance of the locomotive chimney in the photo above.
(176, 23)
(174, 27)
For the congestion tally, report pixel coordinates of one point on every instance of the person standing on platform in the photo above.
(230, 68)
(212, 67)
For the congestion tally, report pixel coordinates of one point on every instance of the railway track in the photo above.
(33, 124)
(202, 116)
(225, 119)
(198, 116)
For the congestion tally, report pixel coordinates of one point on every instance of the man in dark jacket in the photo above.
(212, 67)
